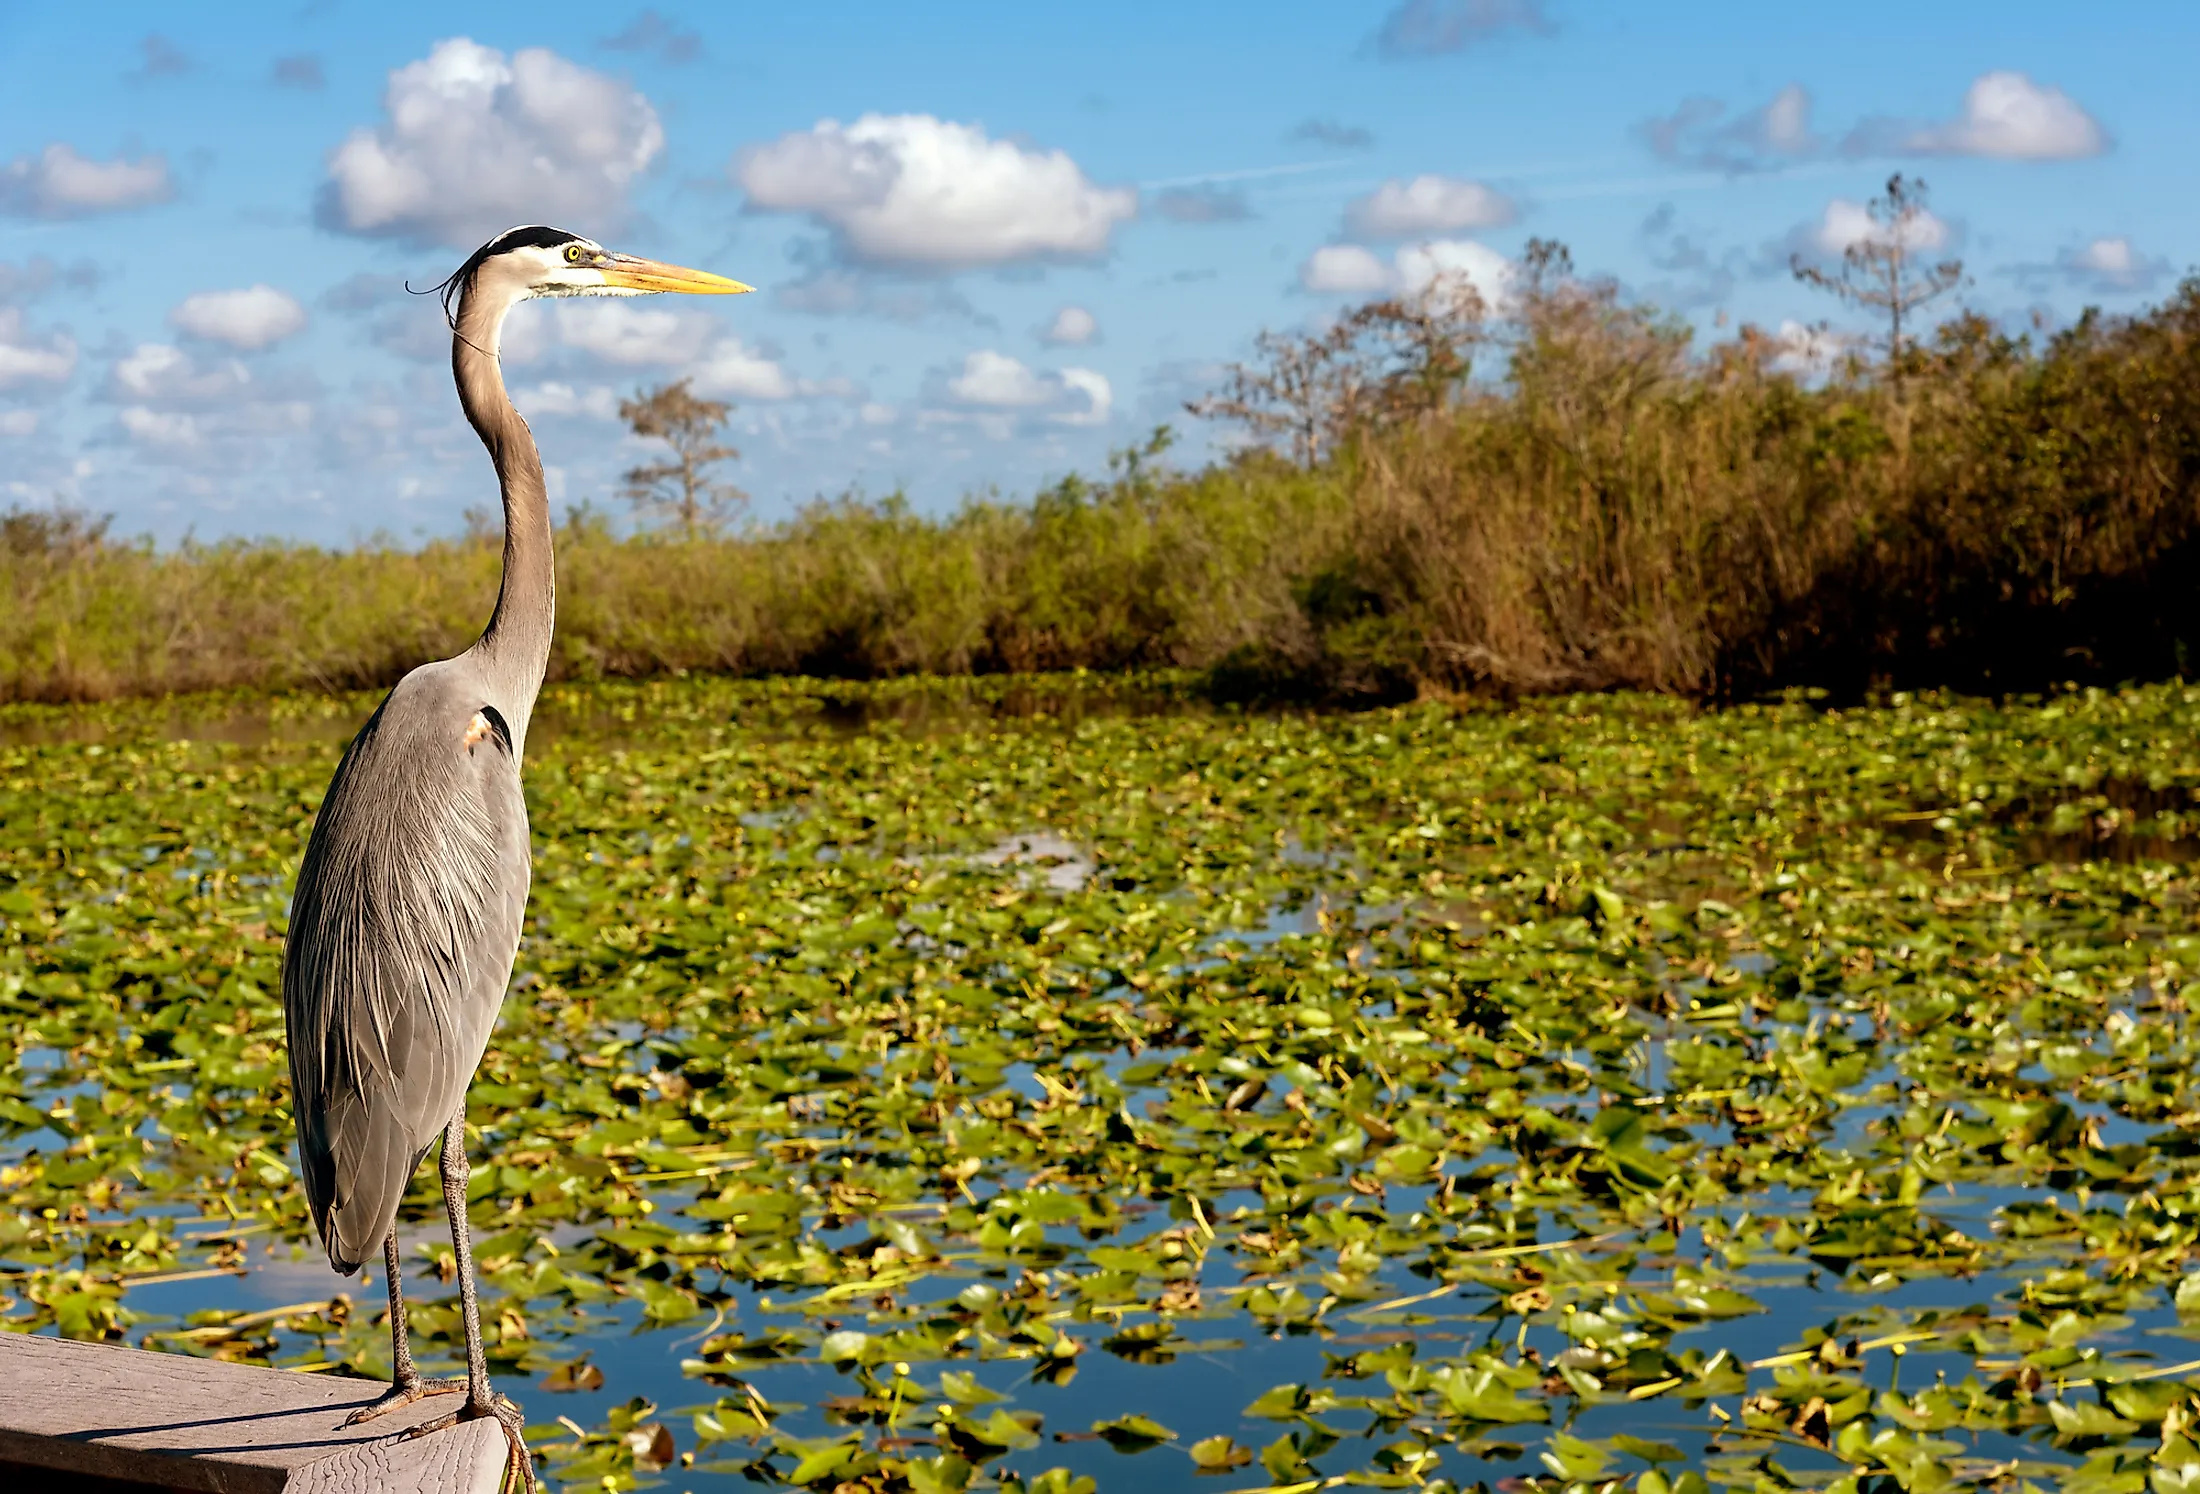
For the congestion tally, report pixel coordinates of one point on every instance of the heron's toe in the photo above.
(397, 1397)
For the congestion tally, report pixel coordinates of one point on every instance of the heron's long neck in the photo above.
(515, 648)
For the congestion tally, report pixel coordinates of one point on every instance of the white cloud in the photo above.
(1847, 222)
(59, 183)
(995, 383)
(1812, 352)
(475, 142)
(2110, 265)
(1766, 136)
(257, 317)
(1422, 265)
(924, 192)
(158, 373)
(1426, 205)
(159, 427)
(1073, 326)
(735, 371)
(2008, 116)
(1784, 124)
(683, 343)
(596, 402)
(1099, 397)
(18, 422)
(2114, 257)
(1344, 270)
(633, 335)
(27, 358)
(1349, 270)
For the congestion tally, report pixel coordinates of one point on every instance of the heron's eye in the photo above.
(573, 254)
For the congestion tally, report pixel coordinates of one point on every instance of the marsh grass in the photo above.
(1615, 508)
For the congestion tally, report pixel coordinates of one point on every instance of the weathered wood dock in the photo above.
(96, 1417)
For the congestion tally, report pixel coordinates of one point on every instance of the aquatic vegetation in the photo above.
(1001, 1085)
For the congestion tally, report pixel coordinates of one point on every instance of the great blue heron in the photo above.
(410, 896)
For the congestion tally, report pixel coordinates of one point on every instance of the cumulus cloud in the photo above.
(993, 383)
(689, 344)
(1204, 204)
(2110, 265)
(159, 373)
(59, 183)
(1073, 326)
(257, 317)
(1699, 134)
(733, 370)
(1345, 270)
(918, 192)
(1847, 223)
(1351, 270)
(1426, 205)
(1425, 28)
(159, 427)
(1809, 351)
(210, 416)
(1422, 265)
(2006, 115)
(566, 401)
(474, 142)
(1332, 132)
(27, 357)
(636, 335)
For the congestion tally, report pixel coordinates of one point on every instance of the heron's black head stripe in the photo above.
(533, 236)
(536, 236)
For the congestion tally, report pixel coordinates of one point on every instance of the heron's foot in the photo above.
(508, 1417)
(399, 1396)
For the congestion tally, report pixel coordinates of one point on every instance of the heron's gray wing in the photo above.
(402, 934)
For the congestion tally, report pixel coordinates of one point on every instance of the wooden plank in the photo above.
(103, 1412)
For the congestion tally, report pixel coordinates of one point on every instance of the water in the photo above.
(1227, 1356)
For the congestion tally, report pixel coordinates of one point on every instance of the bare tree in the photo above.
(682, 488)
(1388, 361)
(1882, 271)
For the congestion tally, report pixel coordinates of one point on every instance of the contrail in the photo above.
(1305, 168)
(1298, 168)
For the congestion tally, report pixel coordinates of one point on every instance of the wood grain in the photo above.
(101, 1412)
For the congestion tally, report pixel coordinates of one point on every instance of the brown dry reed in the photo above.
(1605, 506)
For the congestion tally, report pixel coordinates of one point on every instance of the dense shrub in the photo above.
(1611, 508)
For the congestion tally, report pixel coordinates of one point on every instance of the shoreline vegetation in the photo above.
(1569, 495)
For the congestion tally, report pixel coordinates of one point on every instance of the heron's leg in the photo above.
(406, 1386)
(479, 1401)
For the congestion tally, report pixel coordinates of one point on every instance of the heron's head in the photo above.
(522, 263)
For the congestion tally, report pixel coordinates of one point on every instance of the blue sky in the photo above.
(992, 242)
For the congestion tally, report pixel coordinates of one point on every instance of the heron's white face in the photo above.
(573, 269)
(576, 266)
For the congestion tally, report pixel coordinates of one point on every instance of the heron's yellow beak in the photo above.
(630, 272)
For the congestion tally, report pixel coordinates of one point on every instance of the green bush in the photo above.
(1618, 509)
